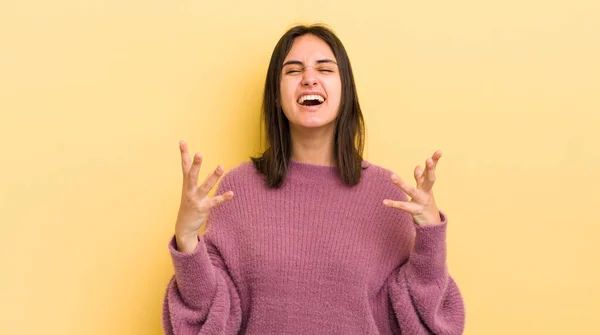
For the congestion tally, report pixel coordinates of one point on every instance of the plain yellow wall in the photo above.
(94, 97)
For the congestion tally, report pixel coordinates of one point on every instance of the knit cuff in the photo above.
(428, 259)
(194, 273)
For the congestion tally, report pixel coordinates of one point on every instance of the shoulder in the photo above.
(373, 172)
(379, 177)
(245, 181)
(243, 170)
(243, 174)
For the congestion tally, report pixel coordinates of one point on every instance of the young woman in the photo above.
(309, 238)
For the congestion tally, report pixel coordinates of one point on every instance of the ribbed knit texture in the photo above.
(313, 257)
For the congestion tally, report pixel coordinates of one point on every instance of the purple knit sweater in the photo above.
(313, 257)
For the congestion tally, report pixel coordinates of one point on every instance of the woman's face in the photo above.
(311, 88)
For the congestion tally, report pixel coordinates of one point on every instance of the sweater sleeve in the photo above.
(425, 299)
(201, 297)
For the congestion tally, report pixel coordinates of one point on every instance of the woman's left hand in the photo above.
(422, 205)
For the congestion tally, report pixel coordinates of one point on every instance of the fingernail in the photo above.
(386, 202)
(395, 177)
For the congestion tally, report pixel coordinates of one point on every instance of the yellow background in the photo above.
(94, 97)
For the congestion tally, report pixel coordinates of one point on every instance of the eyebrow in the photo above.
(297, 62)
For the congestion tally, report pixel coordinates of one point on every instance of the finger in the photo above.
(215, 201)
(185, 157)
(429, 175)
(210, 181)
(419, 175)
(436, 156)
(406, 187)
(407, 206)
(194, 170)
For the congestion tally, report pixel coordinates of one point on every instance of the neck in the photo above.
(313, 146)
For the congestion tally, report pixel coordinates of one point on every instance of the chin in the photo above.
(314, 124)
(314, 119)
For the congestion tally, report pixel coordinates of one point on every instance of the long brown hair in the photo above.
(349, 125)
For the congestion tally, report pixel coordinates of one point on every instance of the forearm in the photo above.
(424, 296)
(201, 297)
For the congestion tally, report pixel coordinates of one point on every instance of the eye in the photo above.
(325, 70)
(293, 70)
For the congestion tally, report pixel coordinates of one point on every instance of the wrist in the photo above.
(186, 243)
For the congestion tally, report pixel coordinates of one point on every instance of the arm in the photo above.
(201, 297)
(425, 299)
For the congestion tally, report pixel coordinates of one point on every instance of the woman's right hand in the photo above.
(195, 203)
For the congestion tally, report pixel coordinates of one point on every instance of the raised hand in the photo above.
(195, 203)
(421, 205)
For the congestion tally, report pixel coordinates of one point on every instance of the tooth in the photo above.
(303, 98)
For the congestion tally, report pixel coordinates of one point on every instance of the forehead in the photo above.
(308, 49)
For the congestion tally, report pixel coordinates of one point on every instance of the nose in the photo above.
(309, 77)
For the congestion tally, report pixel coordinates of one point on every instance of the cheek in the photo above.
(335, 91)
(287, 91)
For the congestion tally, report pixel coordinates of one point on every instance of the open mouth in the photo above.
(311, 100)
